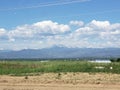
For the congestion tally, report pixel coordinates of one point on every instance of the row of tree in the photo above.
(115, 60)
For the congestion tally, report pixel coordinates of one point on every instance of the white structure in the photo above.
(100, 67)
(101, 61)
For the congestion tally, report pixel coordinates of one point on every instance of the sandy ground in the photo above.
(61, 81)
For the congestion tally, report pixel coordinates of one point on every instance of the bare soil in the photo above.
(61, 81)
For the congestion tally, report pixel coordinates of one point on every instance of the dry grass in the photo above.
(62, 81)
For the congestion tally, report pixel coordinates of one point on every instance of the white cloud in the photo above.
(84, 30)
(39, 29)
(50, 27)
(99, 24)
(21, 32)
(77, 23)
(2, 31)
(95, 34)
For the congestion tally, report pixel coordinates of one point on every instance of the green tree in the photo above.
(118, 59)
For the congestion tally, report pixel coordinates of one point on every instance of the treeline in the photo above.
(115, 60)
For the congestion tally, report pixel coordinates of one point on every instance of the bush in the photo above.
(118, 59)
(115, 60)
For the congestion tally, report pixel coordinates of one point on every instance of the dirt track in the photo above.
(63, 81)
(60, 87)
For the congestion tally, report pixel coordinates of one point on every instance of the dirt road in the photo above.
(60, 87)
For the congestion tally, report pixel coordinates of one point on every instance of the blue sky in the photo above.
(38, 24)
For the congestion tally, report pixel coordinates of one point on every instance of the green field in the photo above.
(37, 67)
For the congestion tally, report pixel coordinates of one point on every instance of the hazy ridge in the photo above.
(63, 52)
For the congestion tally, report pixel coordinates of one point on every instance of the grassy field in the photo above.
(59, 75)
(37, 67)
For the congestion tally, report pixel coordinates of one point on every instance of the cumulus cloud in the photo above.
(51, 27)
(99, 34)
(39, 29)
(43, 34)
(3, 34)
(99, 24)
(77, 23)
(2, 31)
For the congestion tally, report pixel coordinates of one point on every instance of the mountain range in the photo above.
(62, 52)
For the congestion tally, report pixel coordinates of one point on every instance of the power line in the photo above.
(48, 4)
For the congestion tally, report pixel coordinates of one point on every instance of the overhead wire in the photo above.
(46, 4)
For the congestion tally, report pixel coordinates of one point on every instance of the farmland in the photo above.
(59, 75)
(37, 67)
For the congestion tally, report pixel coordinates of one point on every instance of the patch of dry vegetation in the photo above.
(63, 78)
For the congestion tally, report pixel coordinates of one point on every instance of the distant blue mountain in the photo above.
(63, 52)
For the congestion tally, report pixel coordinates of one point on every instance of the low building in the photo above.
(101, 61)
